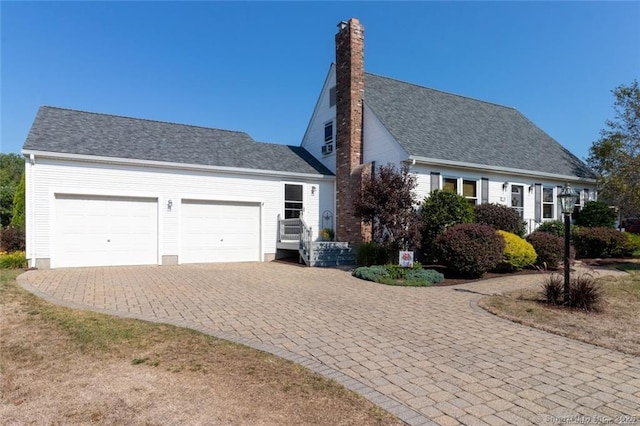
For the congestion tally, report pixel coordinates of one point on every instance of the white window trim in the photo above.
(331, 143)
(461, 186)
(552, 203)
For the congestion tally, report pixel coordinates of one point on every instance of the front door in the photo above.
(293, 206)
(517, 199)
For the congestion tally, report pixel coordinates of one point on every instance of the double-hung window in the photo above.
(327, 148)
(468, 188)
(450, 184)
(470, 191)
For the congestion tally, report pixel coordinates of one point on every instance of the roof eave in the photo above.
(172, 165)
(413, 159)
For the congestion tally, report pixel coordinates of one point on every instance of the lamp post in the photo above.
(568, 198)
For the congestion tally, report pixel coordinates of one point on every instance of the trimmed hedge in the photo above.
(601, 242)
(517, 253)
(499, 217)
(470, 249)
(549, 248)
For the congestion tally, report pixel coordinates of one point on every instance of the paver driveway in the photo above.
(425, 354)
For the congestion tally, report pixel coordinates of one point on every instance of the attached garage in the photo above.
(104, 231)
(217, 231)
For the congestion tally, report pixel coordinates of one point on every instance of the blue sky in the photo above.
(258, 67)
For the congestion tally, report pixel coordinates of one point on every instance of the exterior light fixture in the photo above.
(313, 190)
(169, 204)
(505, 186)
(568, 198)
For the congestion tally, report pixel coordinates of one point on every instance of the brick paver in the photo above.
(428, 355)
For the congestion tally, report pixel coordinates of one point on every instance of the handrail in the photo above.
(306, 242)
(289, 229)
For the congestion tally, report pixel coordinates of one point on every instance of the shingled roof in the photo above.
(439, 125)
(77, 132)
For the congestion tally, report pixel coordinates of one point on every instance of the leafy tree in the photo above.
(596, 214)
(11, 169)
(18, 219)
(387, 202)
(615, 157)
(441, 210)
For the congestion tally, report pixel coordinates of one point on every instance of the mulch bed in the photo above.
(452, 279)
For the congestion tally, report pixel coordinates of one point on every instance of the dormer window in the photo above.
(327, 148)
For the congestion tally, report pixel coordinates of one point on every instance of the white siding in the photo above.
(499, 193)
(380, 146)
(50, 176)
(313, 139)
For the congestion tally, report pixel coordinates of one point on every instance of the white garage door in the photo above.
(219, 232)
(105, 231)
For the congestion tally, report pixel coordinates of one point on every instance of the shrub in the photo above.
(371, 273)
(548, 247)
(553, 289)
(596, 214)
(13, 260)
(425, 275)
(555, 227)
(600, 242)
(327, 234)
(585, 293)
(396, 275)
(12, 239)
(500, 217)
(371, 253)
(441, 210)
(469, 249)
(633, 243)
(517, 253)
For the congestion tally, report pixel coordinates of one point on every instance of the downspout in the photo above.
(31, 255)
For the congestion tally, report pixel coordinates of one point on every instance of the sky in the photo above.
(258, 67)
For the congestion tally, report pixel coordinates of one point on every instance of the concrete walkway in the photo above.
(427, 355)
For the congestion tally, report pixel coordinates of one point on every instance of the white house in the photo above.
(110, 190)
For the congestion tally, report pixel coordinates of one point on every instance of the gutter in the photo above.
(413, 160)
(171, 165)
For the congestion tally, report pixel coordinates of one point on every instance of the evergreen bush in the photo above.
(517, 253)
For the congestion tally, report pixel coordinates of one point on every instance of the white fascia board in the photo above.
(495, 169)
(170, 165)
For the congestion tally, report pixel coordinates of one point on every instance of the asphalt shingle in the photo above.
(439, 125)
(77, 132)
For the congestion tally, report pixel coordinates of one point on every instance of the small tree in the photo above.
(615, 157)
(441, 210)
(387, 202)
(596, 214)
(18, 219)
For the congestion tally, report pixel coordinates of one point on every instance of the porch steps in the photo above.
(326, 253)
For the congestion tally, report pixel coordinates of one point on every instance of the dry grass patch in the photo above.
(616, 325)
(65, 366)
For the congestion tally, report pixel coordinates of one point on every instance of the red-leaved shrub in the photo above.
(469, 249)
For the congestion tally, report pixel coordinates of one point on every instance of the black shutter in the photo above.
(538, 203)
(435, 181)
(558, 205)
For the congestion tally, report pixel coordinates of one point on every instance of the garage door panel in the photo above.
(219, 232)
(105, 231)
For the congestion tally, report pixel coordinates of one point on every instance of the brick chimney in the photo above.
(349, 112)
